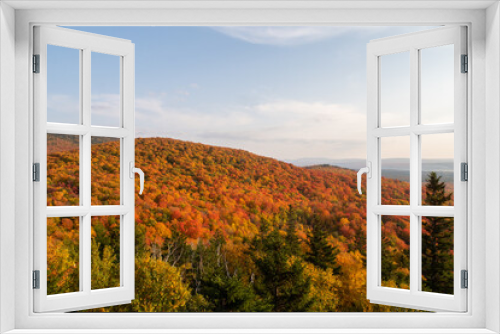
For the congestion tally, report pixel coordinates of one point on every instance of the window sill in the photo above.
(250, 331)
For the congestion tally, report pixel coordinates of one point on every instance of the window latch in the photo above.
(132, 171)
(368, 171)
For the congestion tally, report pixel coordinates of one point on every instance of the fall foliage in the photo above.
(225, 230)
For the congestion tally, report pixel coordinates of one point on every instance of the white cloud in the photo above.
(106, 109)
(289, 35)
(62, 109)
(282, 129)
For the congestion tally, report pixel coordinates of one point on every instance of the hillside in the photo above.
(205, 219)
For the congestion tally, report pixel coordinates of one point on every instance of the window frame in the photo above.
(476, 317)
(414, 44)
(86, 44)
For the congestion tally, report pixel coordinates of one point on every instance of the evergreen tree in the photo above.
(225, 291)
(282, 280)
(437, 241)
(291, 239)
(321, 253)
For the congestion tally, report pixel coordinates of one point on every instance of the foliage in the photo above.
(282, 280)
(224, 230)
(321, 253)
(437, 241)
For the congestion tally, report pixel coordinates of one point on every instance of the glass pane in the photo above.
(437, 84)
(437, 254)
(63, 85)
(395, 167)
(437, 169)
(105, 252)
(63, 255)
(395, 89)
(396, 251)
(63, 169)
(105, 171)
(105, 90)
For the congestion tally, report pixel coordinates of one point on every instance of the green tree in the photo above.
(437, 240)
(158, 288)
(282, 280)
(321, 253)
(224, 289)
(291, 239)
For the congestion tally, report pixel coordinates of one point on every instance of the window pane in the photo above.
(395, 167)
(63, 255)
(105, 252)
(437, 84)
(105, 90)
(396, 251)
(395, 89)
(437, 254)
(63, 169)
(105, 171)
(63, 85)
(437, 169)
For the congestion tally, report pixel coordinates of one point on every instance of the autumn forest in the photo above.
(225, 230)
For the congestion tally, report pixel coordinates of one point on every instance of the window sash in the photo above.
(414, 298)
(85, 298)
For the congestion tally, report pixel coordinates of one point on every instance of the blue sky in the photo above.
(284, 92)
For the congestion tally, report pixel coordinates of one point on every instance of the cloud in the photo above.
(282, 36)
(284, 129)
(105, 110)
(63, 109)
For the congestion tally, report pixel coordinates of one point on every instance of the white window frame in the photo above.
(484, 146)
(413, 44)
(86, 44)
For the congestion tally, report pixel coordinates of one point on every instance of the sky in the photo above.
(283, 92)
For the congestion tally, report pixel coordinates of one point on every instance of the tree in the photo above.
(282, 280)
(158, 288)
(291, 239)
(437, 241)
(324, 287)
(224, 289)
(321, 253)
(105, 267)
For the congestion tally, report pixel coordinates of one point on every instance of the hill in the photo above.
(207, 222)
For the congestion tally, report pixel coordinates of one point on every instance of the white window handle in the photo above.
(368, 171)
(134, 170)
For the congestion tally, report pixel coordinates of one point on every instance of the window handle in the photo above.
(134, 170)
(368, 171)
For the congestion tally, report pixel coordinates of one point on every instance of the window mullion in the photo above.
(414, 172)
(86, 179)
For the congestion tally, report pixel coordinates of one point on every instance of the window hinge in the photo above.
(36, 172)
(36, 63)
(464, 171)
(465, 279)
(465, 64)
(36, 279)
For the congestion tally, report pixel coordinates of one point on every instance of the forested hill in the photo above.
(200, 189)
(210, 215)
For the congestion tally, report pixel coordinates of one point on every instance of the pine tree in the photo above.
(225, 291)
(321, 253)
(291, 239)
(282, 280)
(437, 241)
